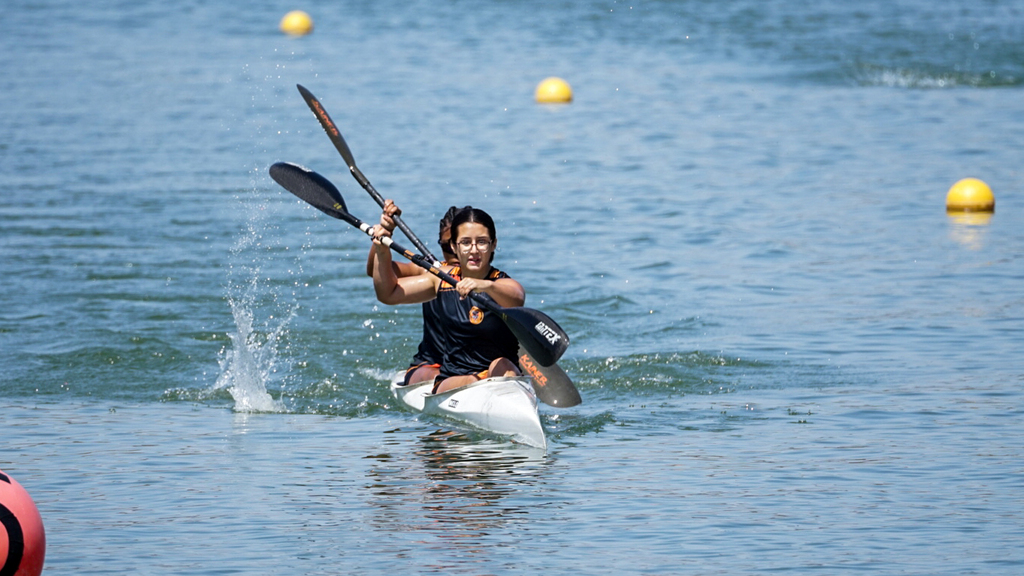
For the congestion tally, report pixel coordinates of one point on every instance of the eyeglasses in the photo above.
(481, 244)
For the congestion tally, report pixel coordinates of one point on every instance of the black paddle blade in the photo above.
(311, 187)
(328, 125)
(541, 336)
(551, 384)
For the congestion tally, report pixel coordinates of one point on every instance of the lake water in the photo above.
(791, 358)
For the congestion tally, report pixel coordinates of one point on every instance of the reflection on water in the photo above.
(969, 229)
(451, 489)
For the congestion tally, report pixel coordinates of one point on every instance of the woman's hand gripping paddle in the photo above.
(552, 384)
(541, 336)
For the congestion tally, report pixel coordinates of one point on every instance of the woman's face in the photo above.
(474, 247)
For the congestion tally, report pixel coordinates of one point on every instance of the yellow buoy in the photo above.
(553, 91)
(296, 23)
(970, 195)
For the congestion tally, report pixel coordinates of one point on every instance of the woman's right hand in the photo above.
(380, 231)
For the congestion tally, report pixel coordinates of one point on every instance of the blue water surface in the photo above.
(791, 358)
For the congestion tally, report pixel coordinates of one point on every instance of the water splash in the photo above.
(253, 361)
(250, 362)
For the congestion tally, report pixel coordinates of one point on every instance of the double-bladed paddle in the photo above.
(552, 384)
(541, 336)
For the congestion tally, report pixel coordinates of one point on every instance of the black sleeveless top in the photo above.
(431, 350)
(474, 337)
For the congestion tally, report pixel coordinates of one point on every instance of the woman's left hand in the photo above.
(468, 285)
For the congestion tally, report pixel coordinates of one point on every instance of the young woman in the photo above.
(478, 344)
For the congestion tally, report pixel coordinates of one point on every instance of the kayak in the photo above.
(503, 405)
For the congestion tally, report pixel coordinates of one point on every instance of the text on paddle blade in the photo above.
(546, 331)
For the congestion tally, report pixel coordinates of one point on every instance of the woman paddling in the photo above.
(426, 363)
(478, 344)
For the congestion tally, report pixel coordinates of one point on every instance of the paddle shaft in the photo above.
(339, 142)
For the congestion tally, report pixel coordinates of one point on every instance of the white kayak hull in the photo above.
(504, 405)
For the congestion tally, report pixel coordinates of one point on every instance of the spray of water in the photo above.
(250, 362)
(253, 361)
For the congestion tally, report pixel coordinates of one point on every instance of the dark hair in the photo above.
(446, 224)
(470, 214)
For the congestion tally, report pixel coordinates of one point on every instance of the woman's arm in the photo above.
(389, 287)
(401, 269)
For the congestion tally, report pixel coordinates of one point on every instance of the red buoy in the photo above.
(22, 541)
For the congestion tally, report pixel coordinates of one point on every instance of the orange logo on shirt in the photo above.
(476, 315)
